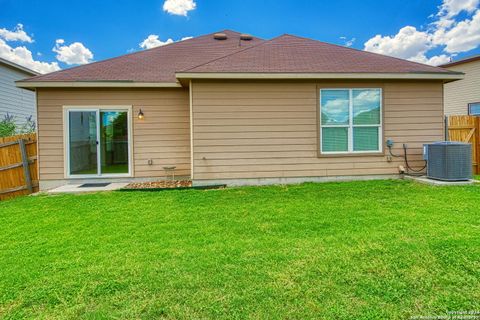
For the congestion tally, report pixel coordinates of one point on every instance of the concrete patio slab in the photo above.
(433, 182)
(77, 188)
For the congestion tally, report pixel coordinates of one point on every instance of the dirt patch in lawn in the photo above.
(161, 184)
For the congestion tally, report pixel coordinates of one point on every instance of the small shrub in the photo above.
(7, 126)
(29, 126)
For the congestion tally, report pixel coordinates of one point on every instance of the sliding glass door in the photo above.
(83, 142)
(114, 142)
(98, 142)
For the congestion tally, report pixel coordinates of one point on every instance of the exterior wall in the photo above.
(267, 130)
(241, 130)
(459, 94)
(163, 135)
(15, 101)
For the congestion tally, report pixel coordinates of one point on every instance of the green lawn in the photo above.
(356, 250)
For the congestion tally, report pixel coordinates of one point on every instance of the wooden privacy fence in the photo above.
(18, 165)
(466, 129)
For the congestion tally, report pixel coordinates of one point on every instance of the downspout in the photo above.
(37, 137)
(191, 128)
(445, 117)
(446, 128)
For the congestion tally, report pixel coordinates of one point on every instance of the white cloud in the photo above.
(451, 8)
(463, 36)
(446, 32)
(23, 56)
(347, 42)
(17, 34)
(434, 60)
(179, 7)
(153, 41)
(406, 44)
(75, 53)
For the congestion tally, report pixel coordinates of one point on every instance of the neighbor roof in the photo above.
(461, 61)
(205, 56)
(18, 67)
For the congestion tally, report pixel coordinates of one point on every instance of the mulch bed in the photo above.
(161, 184)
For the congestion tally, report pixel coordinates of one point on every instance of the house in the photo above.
(14, 101)
(236, 109)
(463, 97)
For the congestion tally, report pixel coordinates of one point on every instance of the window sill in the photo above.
(359, 154)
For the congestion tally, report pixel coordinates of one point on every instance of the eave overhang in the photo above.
(95, 84)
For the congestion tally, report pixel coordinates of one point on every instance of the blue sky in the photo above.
(419, 30)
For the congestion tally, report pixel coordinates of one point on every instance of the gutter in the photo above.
(95, 84)
(183, 76)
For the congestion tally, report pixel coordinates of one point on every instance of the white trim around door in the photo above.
(66, 140)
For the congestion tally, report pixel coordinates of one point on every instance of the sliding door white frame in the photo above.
(66, 136)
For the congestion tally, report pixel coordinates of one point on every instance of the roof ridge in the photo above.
(127, 55)
(231, 54)
(367, 52)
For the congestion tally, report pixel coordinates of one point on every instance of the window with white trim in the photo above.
(350, 120)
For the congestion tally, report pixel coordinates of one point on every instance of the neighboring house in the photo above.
(17, 102)
(463, 97)
(238, 110)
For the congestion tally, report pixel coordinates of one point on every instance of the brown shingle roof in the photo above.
(292, 54)
(154, 65)
(204, 54)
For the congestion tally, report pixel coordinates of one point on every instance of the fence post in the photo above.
(477, 143)
(26, 168)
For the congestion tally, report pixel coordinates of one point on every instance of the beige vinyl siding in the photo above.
(269, 129)
(459, 94)
(163, 136)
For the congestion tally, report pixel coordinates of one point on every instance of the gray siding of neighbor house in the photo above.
(459, 94)
(15, 101)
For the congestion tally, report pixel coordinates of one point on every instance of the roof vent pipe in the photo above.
(220, 36)
(245, 37)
